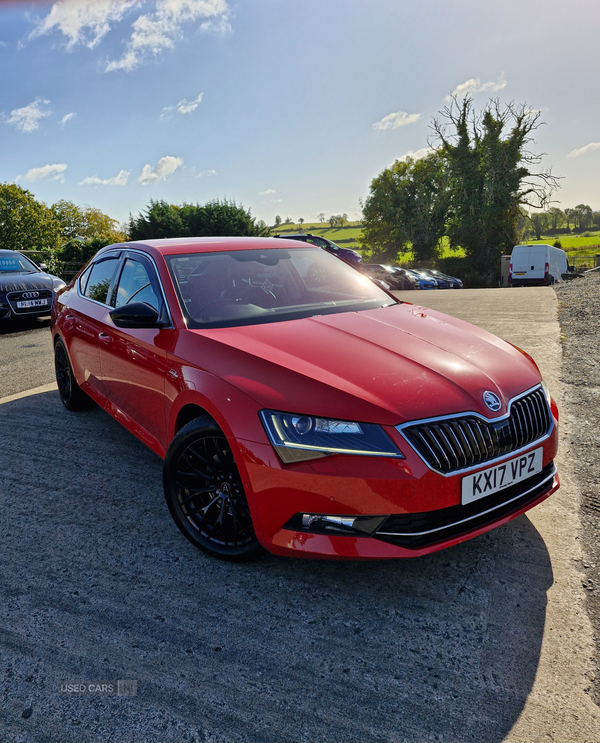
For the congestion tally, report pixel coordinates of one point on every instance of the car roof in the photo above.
(182, 245)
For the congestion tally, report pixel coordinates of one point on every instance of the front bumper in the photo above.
(422, 508)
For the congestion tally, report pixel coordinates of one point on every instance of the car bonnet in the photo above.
(24, 282)
(388, 365)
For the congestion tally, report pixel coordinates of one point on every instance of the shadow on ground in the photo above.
(98, 584)
(23, 325)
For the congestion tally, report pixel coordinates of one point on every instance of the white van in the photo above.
(536, 264)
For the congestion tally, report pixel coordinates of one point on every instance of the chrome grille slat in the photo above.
(457, 443)
(466, 446)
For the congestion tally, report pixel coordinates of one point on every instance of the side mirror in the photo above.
(43, 267)
(136, 315)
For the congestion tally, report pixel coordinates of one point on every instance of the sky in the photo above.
(287, 107)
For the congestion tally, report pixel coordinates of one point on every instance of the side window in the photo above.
(135, 285)
(83, 279)
(100, 278)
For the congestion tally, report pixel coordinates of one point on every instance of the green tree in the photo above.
(321, 216)
(159, 220)
(539, 220)
(570, 217)
(491, 173)
(25, 223)
(221, 218)
(406, 209)
(277, 221)
(215, 218)
(86, 222)
(556, 217)
(584, 216)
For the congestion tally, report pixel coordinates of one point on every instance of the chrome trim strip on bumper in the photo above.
(470, 518)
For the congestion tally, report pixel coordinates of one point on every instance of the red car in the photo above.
(300, 408)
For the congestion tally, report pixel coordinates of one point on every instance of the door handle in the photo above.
(105, 338)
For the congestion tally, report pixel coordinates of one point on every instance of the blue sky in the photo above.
(287, 107)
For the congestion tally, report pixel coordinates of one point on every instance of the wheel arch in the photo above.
(188, 413)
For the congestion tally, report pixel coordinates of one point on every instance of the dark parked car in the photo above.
(26, 290)
(397, 281)
(452, 281)
(346, 254)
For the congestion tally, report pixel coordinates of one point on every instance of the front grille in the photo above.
(451, 444)
(417, 530)
(14, 297)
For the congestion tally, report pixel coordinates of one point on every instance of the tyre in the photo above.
(205, 494)
(71, 394)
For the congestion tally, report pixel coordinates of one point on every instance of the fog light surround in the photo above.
(322, 523)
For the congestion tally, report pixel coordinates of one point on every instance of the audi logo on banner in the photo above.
(30, 295)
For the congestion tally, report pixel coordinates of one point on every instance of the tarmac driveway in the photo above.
(486, 641)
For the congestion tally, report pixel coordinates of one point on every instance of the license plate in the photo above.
(32, 303)
(494, 479)
(520, 273)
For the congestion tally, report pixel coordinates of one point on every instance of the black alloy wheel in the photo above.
(205, 494)
(71, 394)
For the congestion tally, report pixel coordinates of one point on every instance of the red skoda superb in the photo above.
(300, 408)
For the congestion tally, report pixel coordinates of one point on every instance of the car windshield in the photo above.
(248, 287)
(16, 263)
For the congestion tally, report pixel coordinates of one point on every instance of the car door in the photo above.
(84, 320)
(133, 360)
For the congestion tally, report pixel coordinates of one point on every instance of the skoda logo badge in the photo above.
(491, 400)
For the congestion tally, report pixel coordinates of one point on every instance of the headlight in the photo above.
(300, 437)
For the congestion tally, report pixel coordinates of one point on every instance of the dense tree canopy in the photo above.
(406, 209)
(215, 218)
(470, 188)
(25, 223)
(491, 173)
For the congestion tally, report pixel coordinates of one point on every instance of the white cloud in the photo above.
(117, 180)
(155, 32)
(183, 107)
(65, 119)
(417, 155)
(584, 150)
(37, 174)
(267, 192)
(83, 21)
(395, 120)
(166, 166)
(206, 173)
(27, 119)
(474, 85)
(87, 22)
(187, 107)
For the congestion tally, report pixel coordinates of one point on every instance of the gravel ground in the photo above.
(579, 313)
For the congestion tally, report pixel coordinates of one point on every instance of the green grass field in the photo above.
(347, 237)
(573, 246)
